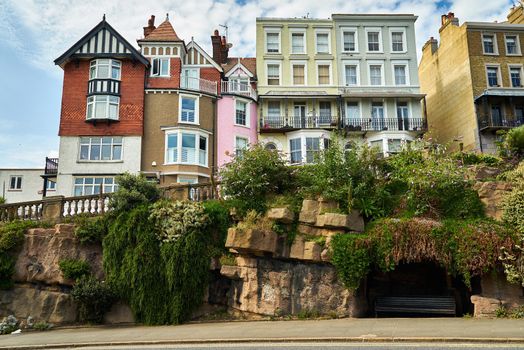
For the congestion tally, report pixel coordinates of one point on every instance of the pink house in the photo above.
(237, 108)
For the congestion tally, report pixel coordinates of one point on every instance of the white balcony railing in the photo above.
(198, 84)
(234, 87)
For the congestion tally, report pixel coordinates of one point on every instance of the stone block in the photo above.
(333, 220)
(120, 313)
(485, 307)
(65, 229)
(492, 195)
(232, 272)
(316, 231)
(309, 211)
(356, 221)
(245, 261)
(326, 205)
(312, 251)
(283, 215)
(253, 240)
(297, 248)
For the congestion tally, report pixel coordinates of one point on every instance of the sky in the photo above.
(35, 32)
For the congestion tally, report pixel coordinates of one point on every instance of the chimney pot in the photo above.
(215, 33)
(150, 26)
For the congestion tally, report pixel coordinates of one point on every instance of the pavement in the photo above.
(371, 330)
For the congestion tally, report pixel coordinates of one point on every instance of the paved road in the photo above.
(360, 330)
(324, 346)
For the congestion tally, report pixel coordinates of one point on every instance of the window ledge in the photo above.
(491, 54)
(13, 190)
(190, 164)
(189, 123)
(242, 126)
(514, 54)
(100, 161)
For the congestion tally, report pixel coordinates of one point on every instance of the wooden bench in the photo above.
(431, 305)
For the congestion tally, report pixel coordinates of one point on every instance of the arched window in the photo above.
(270, 146)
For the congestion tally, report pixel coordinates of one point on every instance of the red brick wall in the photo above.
(173, 82)
(74, 102)
(211, 74)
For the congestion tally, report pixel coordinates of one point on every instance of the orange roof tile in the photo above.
(250, 63)
(164, 32)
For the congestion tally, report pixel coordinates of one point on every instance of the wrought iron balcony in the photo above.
(298, 122)
(384, 124)
(236, 88)
(51, 166)
(499, 122)
(197, 84)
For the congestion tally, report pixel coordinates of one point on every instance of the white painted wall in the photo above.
(70, 166)
(31, 189)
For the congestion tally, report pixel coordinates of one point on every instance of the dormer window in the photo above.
(105, 68)
(102, 107)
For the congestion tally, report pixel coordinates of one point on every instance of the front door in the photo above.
(377, 116)
(299, 115)
(496, 115)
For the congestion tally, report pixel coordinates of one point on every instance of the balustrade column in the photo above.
(52, 209)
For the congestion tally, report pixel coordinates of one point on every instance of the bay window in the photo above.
(295, 150)
(100, 148)
(105, 68)
(103, 107)
(312, 149)
(186, 147)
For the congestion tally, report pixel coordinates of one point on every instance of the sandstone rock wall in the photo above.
(496, 292)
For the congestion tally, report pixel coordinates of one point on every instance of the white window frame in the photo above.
(276, 63)
(179, 132)
(304, 41)
(110, 69)
(382, 73)
(197, 109)
(114, 185)
(517, 42)
(90, 146)
(324, 63)
(159, 75)
(298, 63)
(273, 31)
(92, 100)
(248, 116)
(19, 181)
(516, 66)
(359, 104)
(236, 138)
(499, 75)
(406, 67)
(495, 44)
(351, 63)
(187, 179)
(404, 39)
(353, 30)
(50, 187)
(380, 43)
(323, 31)
(301, 160)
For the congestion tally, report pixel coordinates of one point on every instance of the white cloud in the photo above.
(53, 26)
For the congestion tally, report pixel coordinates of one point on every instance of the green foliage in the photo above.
(513, 205)
(133, 191)
(501, 312)
(218, 224)
(353, 178)
(2, 200)
(472, 158)
(163, 283)
(90, 229)
(255, 176)
(351, 257)
(433, 185)
(42, 326)
(11, 238)
(74, 269)
(94, 299)
(176, 219)
(465, 248)
(513, 143)
(228, 259)
(307, 314)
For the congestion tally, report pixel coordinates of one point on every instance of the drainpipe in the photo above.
(215, 137)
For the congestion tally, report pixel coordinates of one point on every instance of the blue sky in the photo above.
(34, 32)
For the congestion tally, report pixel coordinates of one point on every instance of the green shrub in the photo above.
(74, 269)
(472, 158)
(433, 185)
(513, 208)
(228, 259)
(163, 282)
(94, 299)
(133, 191)
(255, 176)
(352, 258)
(90, 229)
(42, 326)
(218, 224)
(2, 200)
(512, 143)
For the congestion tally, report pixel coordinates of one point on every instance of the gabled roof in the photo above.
(102, 40)
(194, 46)
(164, 32)
(249, 65)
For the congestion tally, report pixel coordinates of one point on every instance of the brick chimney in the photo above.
(150, 26)
(220, 47)
(448, 18)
